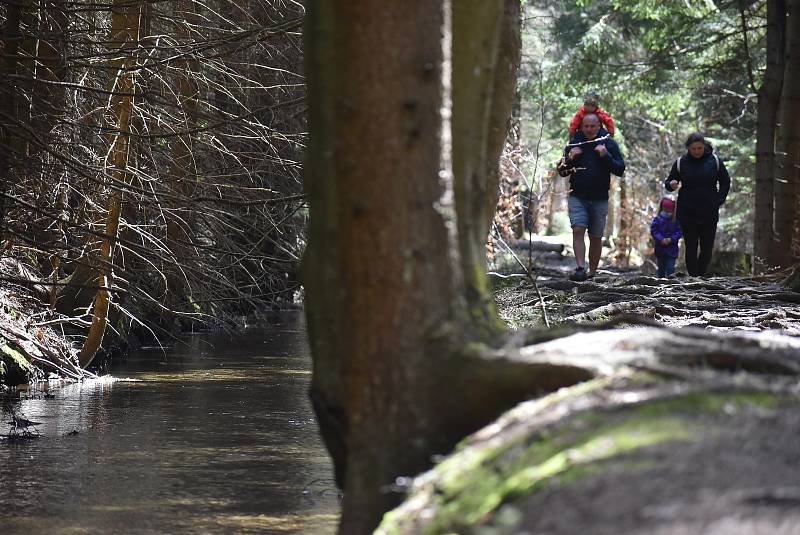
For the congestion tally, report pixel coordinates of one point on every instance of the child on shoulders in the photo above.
(591, 104)
(666, 232)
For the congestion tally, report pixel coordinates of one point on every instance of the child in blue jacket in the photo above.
(666, 232)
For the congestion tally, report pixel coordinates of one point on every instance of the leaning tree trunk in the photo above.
(124, 34)
(788, 160)
(505, 81)
(768, 100)
(476, 141)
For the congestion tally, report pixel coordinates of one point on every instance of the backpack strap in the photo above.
(714, 154)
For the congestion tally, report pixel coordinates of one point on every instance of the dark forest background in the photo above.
(150, 151)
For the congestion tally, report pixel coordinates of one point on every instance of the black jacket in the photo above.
(590, 174)
(703, 188)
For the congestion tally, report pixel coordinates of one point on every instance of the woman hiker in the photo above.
(704, 184)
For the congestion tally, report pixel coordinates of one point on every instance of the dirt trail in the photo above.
(717, 304)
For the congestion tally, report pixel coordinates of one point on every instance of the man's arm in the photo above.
(613, 158)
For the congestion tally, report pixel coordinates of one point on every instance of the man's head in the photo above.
(590, 126)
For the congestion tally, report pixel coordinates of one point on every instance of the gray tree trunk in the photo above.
(788, 153)
(768, 101)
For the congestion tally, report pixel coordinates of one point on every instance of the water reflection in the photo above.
(214, 437)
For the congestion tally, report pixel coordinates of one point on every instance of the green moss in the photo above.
(708, 403)
(14, 366)
(451, 470)
(488, 489)
(473, 485)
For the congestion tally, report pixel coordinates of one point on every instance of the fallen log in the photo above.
(538, 246)
(677, 418)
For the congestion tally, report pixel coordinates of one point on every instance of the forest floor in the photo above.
(692, 429)
(739, 304)
(689, 425)
(720, 465)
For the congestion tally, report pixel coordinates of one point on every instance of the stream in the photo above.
(215, 435)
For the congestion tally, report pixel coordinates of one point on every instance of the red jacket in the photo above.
(605, 120)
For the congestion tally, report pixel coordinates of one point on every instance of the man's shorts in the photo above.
(588, 214)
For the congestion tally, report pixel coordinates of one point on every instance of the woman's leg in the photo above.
(707, 234)
(691, 234)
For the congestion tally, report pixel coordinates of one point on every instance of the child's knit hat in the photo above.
(667, 205)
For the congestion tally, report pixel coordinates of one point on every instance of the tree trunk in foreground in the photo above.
(398, 307)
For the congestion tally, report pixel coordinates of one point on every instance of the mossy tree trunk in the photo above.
(483, 82)
(397, 304)
(502, 107)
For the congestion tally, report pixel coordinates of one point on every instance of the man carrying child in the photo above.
(589, 159)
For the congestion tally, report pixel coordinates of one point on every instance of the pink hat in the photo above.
(667, 204)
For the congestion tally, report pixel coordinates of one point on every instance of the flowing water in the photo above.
(214, 436)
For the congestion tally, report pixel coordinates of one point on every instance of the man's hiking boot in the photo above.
(590, 275)
(579, 274)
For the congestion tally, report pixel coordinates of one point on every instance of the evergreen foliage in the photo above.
(662, 70)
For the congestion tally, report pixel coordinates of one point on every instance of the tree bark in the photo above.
(11, 38)
(390, 265)
(124, 34)
(768, 100)
(374, 77)
(476, 26)
(504, 99)
(788, 159)
(181, 222)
